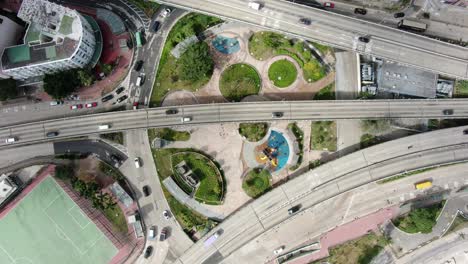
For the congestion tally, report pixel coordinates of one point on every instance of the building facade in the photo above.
(10, 32)
(57, 38)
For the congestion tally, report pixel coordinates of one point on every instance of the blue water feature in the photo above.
(277, 141)
(226, 45)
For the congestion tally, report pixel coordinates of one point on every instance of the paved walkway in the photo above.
(182, 197)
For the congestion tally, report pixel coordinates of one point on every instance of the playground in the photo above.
(48, 227)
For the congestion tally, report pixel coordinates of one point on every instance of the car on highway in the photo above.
(166, 12)
(277, 114)
(146, 190)
(140, 80)
(255, 5)
(166, 214)
(52, 134)
(138, 65)
(305, 21)
(11, 140)
(152, 233)
(54, 103)
(163, 234)
(329, 5)
(91, 105)
(278, 250)
(465, 132)
(156, 25)
(119, 90)
(186, 119)
(398, 15)
(448, 112)
(75, 107)
(364, 39)
(137, 162)
(107, 98)
(172, 111)
(360, 11)
(148, 251)
(122, 98)
(294, 209)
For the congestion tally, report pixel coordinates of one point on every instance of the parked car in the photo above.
(107, 98)
(328, 5)
(152, 233)
(277, 114)
(163, 234)
(305, 21)
(399, 14)
(119, 90)
(75, 107)
(448, 112)
(294, 209)
(52, 134)
(11, 140)
(465, 132)
(166, 12)
(135, 105)
(54, 103)
(172, 111)
(364, 39)
(148, 251)
(137, 162)
(138, 65)
(122, 98)
(146, 190)
(278, 250)
(115, 159)
(91, 105)
(166, 214)
(360, 11)
(156, 26)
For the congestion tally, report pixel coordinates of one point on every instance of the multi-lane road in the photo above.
(328, 181)
(340, 31)
(230, 112)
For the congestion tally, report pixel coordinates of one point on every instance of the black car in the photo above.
(465, 132)
(119, 90)
(52, 134)
(305, 21)
(448, 112)
(122, 98)
(360, 11)
(138, 65)
(163, 234)
(399, 14)
(148, 251)
(115, 159)
(294, 209)
(277, 114)
(107, 98)
(364, 39)
(156, 26)
(172, 111)
(146, 190)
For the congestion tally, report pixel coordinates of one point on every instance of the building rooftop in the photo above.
(53, 33)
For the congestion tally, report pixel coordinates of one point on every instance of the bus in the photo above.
(423, 185)
(412, 25)
(138, 39)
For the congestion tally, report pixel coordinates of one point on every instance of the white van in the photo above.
(104, 127)
(10, 140)
(255, 5)
(137, 162)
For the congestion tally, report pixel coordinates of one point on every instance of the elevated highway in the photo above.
(232, 112)
(341, 32)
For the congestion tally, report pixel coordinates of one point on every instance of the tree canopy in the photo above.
(61, 84)
(196, 62)
(7, 89)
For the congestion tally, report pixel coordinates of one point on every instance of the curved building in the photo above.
(57, 38)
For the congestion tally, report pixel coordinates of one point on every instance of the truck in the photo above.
(255, 5)
(211, 239)
(423, 185)
(412, 25)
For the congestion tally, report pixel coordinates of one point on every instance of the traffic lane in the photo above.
(333, 110)
(23, 133)
(234, 113)
(102, 150)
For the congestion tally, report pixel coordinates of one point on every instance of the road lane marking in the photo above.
(349, 207)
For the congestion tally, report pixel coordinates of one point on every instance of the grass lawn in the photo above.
(326, 93)
(420, 220)
(368, 140)
(264, 45)
(253, 132)
(360, 251)
(282, 73)
(115, 215)
(256, 182)
(147, 6)
(299, 134)
(323, 135)
(238, 81)
(168, 134)
(211, 184)
(116, 137)
(461, 89)
(168, 74)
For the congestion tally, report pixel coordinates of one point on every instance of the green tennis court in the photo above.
(48, 227)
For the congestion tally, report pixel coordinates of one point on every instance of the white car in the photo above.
(166, 214)
(278, 250)
(166, 12)
(137, 162)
